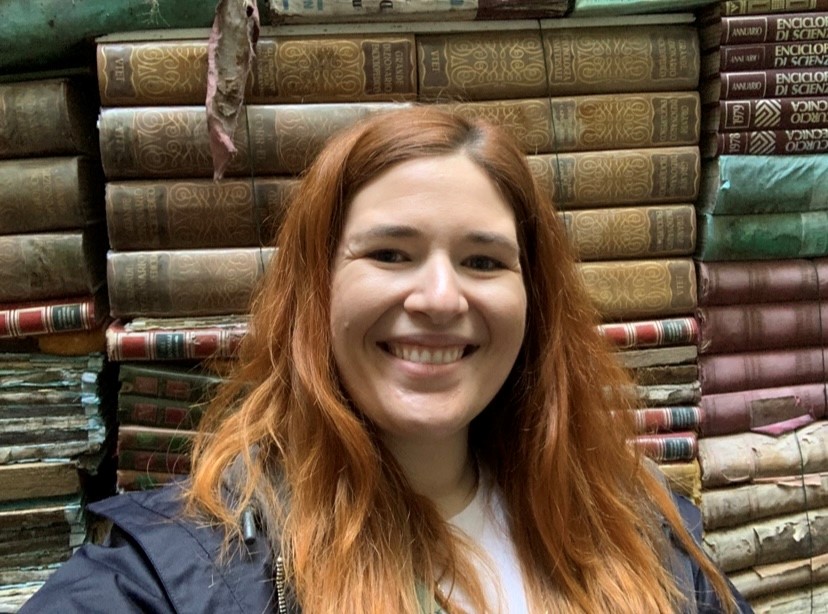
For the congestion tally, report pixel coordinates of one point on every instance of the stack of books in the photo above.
(56, 392)
(763, 286)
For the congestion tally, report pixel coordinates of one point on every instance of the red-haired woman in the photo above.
(424, 417)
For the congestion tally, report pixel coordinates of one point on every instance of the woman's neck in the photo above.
(442, 470)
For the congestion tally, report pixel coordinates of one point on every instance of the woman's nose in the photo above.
(437, 291)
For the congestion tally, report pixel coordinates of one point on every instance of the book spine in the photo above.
(651, 333)
(667, 374)
(660, 419)
(783, 83)
(287, 69)
(145, 461)
(50, 117)
(774, 28)
(809, 54)
(758, 7)
(610, 60)
(184, 282)
(130, 479)
(773, 114)
(48, 265)
(765, 236)
(192, 344)
(663, 175)
(764, 142)
(44, 194)
(767, 184)
(668, 447)
(641, 288)
(652, 357)
(768, 326)
(148, 411)
(53, 317)
(720, 373)
(669, 394)
(155, 439)
(726, 283)
(162, 383)
(136, 142)
(632, 232)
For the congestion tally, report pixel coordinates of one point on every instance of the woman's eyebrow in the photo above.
(493, 238)
(386, 231)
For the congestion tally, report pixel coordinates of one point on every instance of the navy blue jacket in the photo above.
(156, 561)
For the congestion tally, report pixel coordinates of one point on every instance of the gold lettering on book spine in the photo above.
(319, 68)
(528, 121)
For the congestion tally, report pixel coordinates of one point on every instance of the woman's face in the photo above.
(428, 305)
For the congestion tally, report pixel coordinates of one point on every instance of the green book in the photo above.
(732, 185)
(768, 236)
(51, 32)
(595, 8)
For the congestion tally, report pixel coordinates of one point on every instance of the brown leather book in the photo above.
(764, 369)
(732, 283)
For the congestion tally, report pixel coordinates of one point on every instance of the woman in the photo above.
(424, 417)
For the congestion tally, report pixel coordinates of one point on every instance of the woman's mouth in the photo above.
(431, 355)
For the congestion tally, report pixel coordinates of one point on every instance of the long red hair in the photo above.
(585, 515)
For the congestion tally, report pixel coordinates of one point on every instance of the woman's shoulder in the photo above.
(158, 559)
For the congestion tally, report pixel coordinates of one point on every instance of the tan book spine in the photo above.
(632, 232)
(628, 289)
(36, 480)
(51, 117)
(184, 282)
(287, 69)
(41, 194)
(654, 357)
(809, 598)
(51, 265)
(609, 59)
(774, 579)
(663, 175)
(668, 374)
(139, 142)
(195, 213)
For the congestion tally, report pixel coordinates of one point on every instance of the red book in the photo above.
(57, 316)
(651, 333)
(173, 344)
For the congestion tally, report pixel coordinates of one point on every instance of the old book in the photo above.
(600, 8)
(130, 479)
(666, 374)
(762, 326)
(162, 413)
(770, 114)
(745, 457)
(683, 478)
(61, 315)
(188, 341)
(154, 439)
(760, 7)
(669, 394)
(527, 64)
(184, 282)
(766, 184)
(195, 213)
(796, 141)
(662, 419)
(339, 11)
(797, 54)
(632, 232)
(163, 462)
(590, 122)
(167, 382)
(767, 410)
(51, 265)
(811, 598)
(622, 177)
(75, 343)
(769, 541)
(677, 355)
(629, 289)
(762, 236)
(725, 283)
(651, 333)
(740, 30)
(770, 83)
(306, 69)
(730, 507)
(52, 117)
(38, 480)
(764, 369)
(777, 578)
(44, 194)
(667, 447)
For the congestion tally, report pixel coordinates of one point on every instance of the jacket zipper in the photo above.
(280, 584)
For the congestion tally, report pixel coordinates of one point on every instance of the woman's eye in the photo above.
(389, 256)
(484, 263)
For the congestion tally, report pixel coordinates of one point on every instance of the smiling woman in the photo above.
(421, 417)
